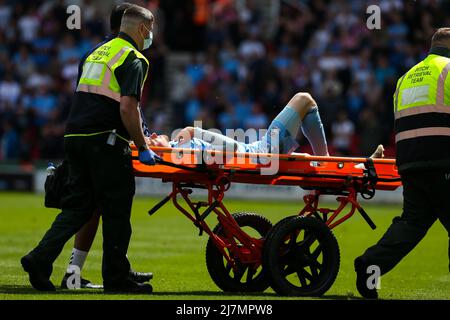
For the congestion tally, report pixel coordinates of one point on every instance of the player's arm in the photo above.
(185, 134)
(217, 140)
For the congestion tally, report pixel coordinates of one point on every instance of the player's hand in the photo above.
(148, 157)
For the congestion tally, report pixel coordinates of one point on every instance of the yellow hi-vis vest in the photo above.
(422, 114)
(98, 69)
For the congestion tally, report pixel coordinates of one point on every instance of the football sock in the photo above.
(77, 258)
(312, 128)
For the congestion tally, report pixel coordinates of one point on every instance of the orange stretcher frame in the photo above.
(188, 165)
(188, 169)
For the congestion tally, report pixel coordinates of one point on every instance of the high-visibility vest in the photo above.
(422, 115)
(98, 70)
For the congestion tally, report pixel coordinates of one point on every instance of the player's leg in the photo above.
(85, 237)
(83, 242)
(300, 112)
(302, 103)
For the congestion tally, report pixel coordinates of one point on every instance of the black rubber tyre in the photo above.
(291, 267)
(247, 279)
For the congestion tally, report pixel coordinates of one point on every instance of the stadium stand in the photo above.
(229, 63)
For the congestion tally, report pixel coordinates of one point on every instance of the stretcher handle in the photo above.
(159, 204)
(366, 217)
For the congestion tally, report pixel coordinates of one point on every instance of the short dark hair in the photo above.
(137, 13)
(116, 15)
(441, 38)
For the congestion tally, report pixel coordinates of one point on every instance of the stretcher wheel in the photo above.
(250, 277)
(301, 257)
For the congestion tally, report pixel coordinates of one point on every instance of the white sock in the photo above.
(77, 258)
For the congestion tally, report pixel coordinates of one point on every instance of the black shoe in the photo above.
(361, 280)
(38, 278)
(84, 283)
(140, 277)
(129, 287)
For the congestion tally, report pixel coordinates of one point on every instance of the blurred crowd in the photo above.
(39, 58)
(240, 74)
(321, 47)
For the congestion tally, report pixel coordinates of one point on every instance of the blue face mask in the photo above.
(148, 41)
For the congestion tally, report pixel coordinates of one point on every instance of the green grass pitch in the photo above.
(168, 245)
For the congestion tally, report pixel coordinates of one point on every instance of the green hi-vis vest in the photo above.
(422, 115)
(98, 69)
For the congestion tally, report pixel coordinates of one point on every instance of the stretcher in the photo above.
(299, 255)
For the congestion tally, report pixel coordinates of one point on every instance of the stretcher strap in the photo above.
(201, 169)
(369, 181)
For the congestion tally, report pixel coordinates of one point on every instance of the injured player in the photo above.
(301, 112)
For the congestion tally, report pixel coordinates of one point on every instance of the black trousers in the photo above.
(100, 176)
(426, 199)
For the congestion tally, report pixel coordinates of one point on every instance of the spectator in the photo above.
(383, 71)
(29, 24)
(9, 91)
(355, 102)
(257, 119)
(243, 108)
(227, 118)
(252, 48)
(371, 132)
(44, 102)
(68, 50)
(343, 130)
(24, 63)
(38, 79)
(195, 71)
(9, 142)
(193, 108)
(5, 14)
